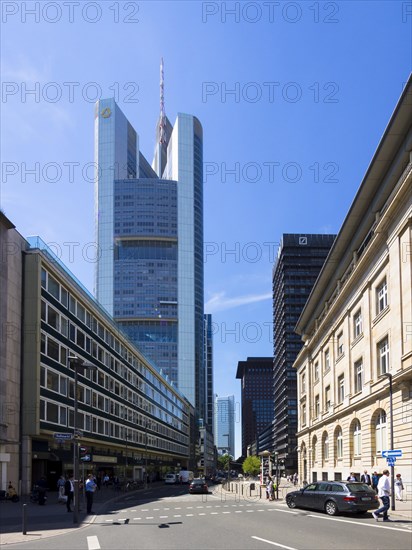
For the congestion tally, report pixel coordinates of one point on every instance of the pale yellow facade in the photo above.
(357, 327)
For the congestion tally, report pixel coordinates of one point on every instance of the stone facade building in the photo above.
(357, 325)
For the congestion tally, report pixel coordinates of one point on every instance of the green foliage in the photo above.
(251, 465)
(223, 461)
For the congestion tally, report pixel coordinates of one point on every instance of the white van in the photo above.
(171, 478)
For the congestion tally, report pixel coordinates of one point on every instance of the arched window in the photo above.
(339, 443)
(380, 432)
(357, 438)
(314, 450)
(325, 446)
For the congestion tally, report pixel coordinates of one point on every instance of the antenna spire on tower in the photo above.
(162, 125)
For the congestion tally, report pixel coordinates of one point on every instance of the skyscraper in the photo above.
(256, 375)
(149, 230)
(225, 424)
(300, 259)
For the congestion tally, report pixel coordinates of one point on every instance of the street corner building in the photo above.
(357, 326)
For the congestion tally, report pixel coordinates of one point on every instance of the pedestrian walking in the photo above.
(106, 480)
(295, 478)
(42, 488)
(69, 492)
(384, 491)
(60, 488)
(269, 486)
(398, 487)
(351, 477)
(90, 489)
(375, 481)
(366, 478)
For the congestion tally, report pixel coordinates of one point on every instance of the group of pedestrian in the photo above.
(65, 487)
(293, 478)
(271, 487)
(382, 485)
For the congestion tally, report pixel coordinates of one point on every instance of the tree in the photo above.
(223, 461)
(251, 465)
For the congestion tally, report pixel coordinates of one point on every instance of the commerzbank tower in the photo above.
(149, 230)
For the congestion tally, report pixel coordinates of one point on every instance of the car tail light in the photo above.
(350, 499)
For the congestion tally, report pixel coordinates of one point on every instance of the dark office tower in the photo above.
(256, 374)
(300, 258)
(149, 225)
(209, 418)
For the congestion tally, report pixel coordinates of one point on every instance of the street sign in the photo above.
(65, 436)
(391, 461)
(394, 452)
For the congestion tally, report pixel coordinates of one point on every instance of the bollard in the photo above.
(24, 519)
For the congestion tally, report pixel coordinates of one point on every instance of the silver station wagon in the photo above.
(333, 497)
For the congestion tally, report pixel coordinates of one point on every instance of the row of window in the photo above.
(63, 385)
(62, 416)
(383, 367)
(61, 294)
(379, 440)
(59, 353)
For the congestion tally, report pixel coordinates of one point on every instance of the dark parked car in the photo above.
(198, 486)
(334, 497)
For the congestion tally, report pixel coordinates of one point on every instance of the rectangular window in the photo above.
(358, 375)
(43, 278)
(64, 296)
(317, 406)
(357, 324)
(327, 360)
(383, 356)
(341, 388)
(52, 349)
(316, 370)
(52, 413)
(327, 398)
(53, 287)
(304, 414)
(340, 344)
(53, 318)
(381, 296)
(303, 383)
(72, 305)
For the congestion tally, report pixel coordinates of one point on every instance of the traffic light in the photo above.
(84, 454)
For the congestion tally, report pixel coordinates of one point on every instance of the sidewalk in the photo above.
(403, 508)
(51, 519)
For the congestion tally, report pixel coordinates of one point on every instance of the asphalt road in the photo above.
(169, 518)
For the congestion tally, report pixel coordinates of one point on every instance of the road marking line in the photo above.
(238, 511)
(166, 508)
(214, 513)
(93, 543)
(201, 514)
(275, 543)
(136, 519)
(189, 515)
(251, 511)
(197, 506)
(177, 516)
(359, 523)
(133, 510)
(149, 517)
(226, 512)
(178, 508)
(145, 510)
(121, 519)
(163, 517)
(156, 509)
(284, 511)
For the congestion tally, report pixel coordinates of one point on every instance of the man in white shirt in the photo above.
(384, 491)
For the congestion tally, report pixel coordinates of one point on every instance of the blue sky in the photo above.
(293, 98)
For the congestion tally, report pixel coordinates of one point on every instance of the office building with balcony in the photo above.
(357, 325)
(256, 376)
(300, 259)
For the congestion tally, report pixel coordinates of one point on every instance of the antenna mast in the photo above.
(162, 125)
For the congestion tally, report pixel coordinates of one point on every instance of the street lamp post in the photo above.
(228, 456)
(276, 454)
(389, 376)
(145, 457)
(76, 363)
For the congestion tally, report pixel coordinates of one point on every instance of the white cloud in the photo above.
(219, 301)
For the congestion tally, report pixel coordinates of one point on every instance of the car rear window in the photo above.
(359, 488)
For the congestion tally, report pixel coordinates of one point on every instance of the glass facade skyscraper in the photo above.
(149, 224)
